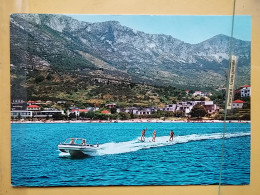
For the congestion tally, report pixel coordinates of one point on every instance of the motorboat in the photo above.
(78, 147)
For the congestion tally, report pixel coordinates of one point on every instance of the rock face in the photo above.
(67, 44)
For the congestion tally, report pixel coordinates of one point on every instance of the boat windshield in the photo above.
(78, 141)
(69, 141)
(75, 141)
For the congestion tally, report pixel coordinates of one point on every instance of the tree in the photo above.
(82, 114)
(39, 79)
(124, 115)
(49, 77)
(198, 111)
(72, 115)
(132, 114)
(113, 110)
(219, 98)
(57, 116)
(90, 114)
(159, 114)
(237, 96)
(19, 116)
(113, 116)
(246, 105)
(246, 116)
(202, 98)
(191, 92)
(179, 114)
(174, 101)
(169, 114)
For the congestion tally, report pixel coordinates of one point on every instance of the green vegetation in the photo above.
(238, 114)
(84, 91)
(97, 115)
(198, 111)
(219, 98)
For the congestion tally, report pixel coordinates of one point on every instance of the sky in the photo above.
(190, 29)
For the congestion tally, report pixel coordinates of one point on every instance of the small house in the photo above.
(238, 104)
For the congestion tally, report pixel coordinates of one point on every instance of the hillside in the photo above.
(110, 52)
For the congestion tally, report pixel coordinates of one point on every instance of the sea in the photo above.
(193, 158)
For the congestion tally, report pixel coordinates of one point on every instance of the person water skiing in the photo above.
(171, 135)
(154, 136)
(143, 134)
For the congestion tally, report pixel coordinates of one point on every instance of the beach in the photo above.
(130, 121)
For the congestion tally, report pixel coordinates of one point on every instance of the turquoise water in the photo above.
(193, 158)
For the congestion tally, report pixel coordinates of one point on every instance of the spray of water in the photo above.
(135, 145)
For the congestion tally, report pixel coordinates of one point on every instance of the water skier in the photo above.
(143, 134)
(154, 136)
(171, 135)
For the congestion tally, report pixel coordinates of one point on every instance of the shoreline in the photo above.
(128, 121)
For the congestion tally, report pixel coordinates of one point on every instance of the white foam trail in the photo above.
(64, 154)
(135, 145)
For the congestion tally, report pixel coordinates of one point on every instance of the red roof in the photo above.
(187, 91)
(246, 86)
(238, 101)
(31, 102)
(33, 106)
(79, 110)
(83, 110)
(105, 112)
(237, 91)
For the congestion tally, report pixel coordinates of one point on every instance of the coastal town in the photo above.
(199, 106)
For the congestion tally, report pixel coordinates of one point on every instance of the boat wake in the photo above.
(64, 155)
(135, 145)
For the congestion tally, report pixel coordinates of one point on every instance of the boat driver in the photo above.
(83, 142)
(71, 141)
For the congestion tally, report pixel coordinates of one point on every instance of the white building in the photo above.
(91, 109)
(61, 102)
(170, 107)
(245, 91)
(238, 104)
(186, 107)
(18, 104)
(78, 111)
(110, 105)
(146, 111)
(197, 93)
(33, 108)
(129, 110)
(21, 113)
(35, 114)
(47, 113)
(210, 106)
(138, 111)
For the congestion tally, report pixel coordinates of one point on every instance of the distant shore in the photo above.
(131, 121)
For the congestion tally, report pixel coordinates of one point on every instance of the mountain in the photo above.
(109, 50)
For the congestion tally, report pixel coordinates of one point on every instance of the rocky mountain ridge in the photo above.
(63, 43)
